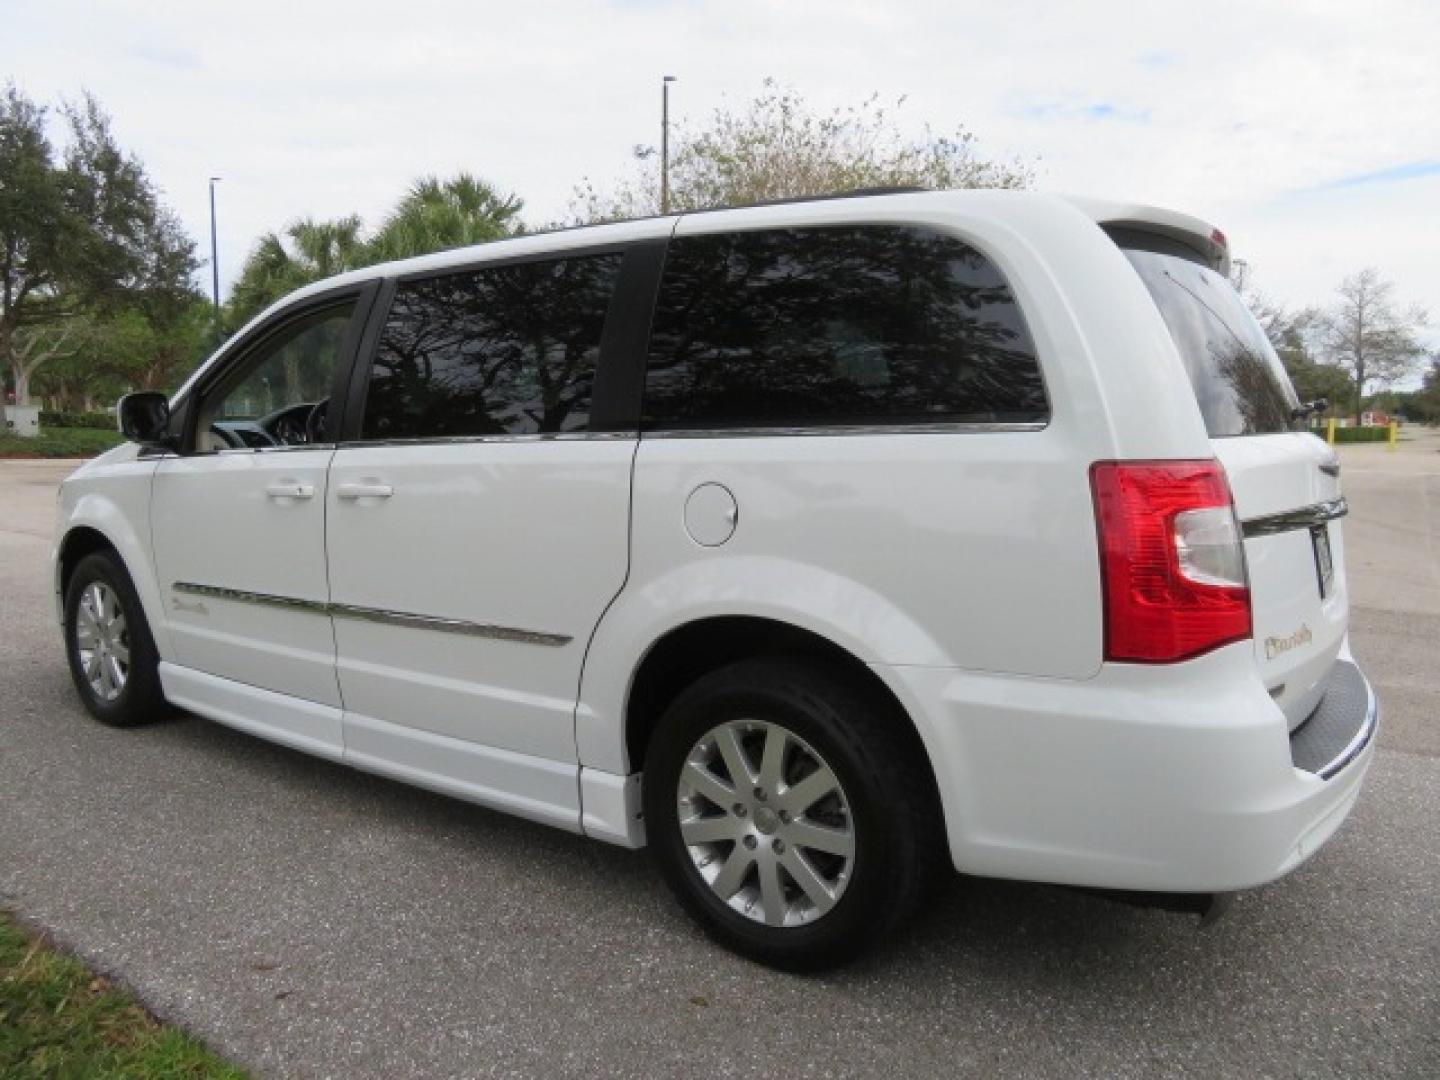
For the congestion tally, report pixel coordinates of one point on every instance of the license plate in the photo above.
(1324, 565)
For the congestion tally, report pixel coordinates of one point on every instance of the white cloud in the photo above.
(1240, 112)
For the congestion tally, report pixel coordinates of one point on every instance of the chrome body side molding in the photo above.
(1306, 517)
(377, 615)
(449, 626)
(293, 603)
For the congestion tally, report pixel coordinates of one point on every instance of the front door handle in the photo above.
(351, 492)
(289, 489)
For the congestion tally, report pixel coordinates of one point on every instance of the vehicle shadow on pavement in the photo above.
(1005, 920)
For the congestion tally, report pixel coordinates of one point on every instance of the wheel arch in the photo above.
(686, 652)
(78, 542)
(96, 523)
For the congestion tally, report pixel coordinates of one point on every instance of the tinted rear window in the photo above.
(1239, 381)
(505, 350)
(837, 326)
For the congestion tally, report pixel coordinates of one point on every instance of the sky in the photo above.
(1308, 130)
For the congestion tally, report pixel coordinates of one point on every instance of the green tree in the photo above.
(1290, 332)
(777, 146)
(308, 251)
(437, 215)
(1424, 404)
(1314, 381)
(35, 214)
(82, 231)
(129, 349)
(434, 215)
(1364, 333)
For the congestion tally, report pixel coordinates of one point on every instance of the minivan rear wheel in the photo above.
(787, 812)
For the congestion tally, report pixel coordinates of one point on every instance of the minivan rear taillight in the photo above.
(1171, 557)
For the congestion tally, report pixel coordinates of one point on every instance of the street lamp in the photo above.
(665, 143)
(214, 251)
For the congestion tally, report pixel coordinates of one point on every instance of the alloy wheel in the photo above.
(766, 823)
(102, 641)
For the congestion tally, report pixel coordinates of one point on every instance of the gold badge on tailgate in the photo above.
(1279, 646)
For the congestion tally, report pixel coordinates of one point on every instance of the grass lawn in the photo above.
(59, 1020)
(60, 442)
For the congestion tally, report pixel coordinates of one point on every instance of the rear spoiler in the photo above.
(1152, 228)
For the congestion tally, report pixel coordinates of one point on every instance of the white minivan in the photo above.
(816, 544)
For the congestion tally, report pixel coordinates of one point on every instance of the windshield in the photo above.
(1239, 382)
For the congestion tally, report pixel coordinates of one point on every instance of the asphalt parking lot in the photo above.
(308, 920)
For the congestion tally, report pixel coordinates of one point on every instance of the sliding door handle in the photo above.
(351, 492)
(290, 489)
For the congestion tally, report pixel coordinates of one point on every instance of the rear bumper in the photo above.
(1182, 778)
(1341, 725)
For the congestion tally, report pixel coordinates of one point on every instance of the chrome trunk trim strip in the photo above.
(1306, 517)
(377, 615)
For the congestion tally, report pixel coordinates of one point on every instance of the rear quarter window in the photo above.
(841, 325)
(1239, 382)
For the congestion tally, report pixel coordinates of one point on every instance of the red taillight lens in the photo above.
(1172, 559)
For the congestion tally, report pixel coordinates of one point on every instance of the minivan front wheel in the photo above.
(787, 813)
(113, 660)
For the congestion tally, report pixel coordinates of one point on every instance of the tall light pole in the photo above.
(214, 249)
(665, 143)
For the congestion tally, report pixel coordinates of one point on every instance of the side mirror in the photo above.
(144, 417)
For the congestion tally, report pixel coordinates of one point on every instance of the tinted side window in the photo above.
(840, 325)
(494, 351)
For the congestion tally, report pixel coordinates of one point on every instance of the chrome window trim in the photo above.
(958, 428)
(376, 615)
(449, 440)
(281, 449)
(1306, 517)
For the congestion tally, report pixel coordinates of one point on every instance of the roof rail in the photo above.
(853, 193)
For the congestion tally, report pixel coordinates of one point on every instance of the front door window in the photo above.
(279, 394)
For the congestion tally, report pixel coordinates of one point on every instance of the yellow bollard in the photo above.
(1330, 431)
(1394, 432)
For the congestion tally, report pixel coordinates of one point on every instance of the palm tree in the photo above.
(308, 251)
(436, 215)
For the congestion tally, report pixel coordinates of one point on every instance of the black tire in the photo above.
(886, 780)
(140, 700)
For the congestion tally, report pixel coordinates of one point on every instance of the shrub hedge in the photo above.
(1360, 434)
(99, 420)
(56, 442)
